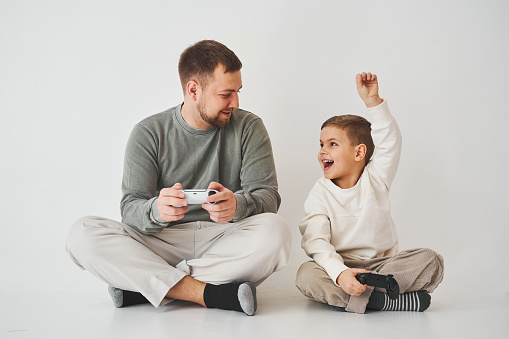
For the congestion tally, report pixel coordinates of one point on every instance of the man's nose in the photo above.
(234, 102)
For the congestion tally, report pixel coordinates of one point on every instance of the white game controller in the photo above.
(197, 196)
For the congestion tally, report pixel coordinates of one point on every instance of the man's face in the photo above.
(221, 96)
(337, 155)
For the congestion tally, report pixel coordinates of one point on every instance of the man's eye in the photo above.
(225, 95)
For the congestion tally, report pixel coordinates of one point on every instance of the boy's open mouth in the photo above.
(327, 164)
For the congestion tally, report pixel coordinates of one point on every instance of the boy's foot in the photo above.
(411, 301)
(122, 298)
(234, 296)
(337, 308)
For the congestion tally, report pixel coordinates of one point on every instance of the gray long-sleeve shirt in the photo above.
(163, 150)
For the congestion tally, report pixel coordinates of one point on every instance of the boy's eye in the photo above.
(333, 144)
(321, 145)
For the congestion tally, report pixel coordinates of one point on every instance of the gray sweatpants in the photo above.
(414, 270)
(248, 250)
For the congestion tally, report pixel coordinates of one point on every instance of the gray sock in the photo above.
(116, 295)
(123, 298)
(247, 297)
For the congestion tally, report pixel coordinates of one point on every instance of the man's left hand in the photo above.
(225, 203)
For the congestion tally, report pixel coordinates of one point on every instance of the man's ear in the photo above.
(360, 152)
(193, 89)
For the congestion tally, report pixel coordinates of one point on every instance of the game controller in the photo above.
(378, 280)
(198, 196)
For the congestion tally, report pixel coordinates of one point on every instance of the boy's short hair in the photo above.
(199, 61)
(357, 129)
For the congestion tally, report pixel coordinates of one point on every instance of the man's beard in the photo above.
(212, 121)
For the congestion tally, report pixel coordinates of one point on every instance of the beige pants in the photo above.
(414, 270)
(248, 250)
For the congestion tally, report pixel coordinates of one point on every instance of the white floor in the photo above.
(73, 304)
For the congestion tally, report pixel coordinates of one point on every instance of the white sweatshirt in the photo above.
(356, 223)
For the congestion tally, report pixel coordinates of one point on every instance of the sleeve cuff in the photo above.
(334, 267)
(380, 114)
(155, 217)
(240, 211)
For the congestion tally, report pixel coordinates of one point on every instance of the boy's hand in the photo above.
(367, 86)
(347, 281)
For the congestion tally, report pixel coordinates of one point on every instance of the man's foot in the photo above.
(234, 296)
(122, 298)
(411, 301)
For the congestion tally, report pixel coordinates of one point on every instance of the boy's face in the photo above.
(337, 155)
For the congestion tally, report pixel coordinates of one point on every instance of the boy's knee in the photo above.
(438, 262)
(306, 273)
(432, 257)
(422, 255)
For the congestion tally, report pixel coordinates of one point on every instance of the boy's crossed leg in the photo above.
(417, 271)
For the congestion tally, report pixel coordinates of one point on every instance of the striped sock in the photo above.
(411, 301)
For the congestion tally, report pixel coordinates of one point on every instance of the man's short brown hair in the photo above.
(357, 129)
(200, 60)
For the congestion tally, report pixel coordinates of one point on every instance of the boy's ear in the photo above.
(360, 152)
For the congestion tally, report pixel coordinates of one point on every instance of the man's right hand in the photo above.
(348, 282)
(168, 198)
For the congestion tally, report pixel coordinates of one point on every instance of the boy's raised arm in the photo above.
(367, 87)
(384, 129)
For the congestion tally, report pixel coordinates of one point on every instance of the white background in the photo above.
(75, 76)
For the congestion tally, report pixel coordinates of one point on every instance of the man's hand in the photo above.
(225, 203)
(367, 86)
(347, 281)
(168, 198)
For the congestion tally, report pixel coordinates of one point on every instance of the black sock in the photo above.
(239, 297)
(411, 301)
(122, 298)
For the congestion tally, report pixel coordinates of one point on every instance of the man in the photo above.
(212, 254)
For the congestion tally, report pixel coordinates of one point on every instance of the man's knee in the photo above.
(84, 234)
(74, 240)
(278, 229)
(75, 234)
(78, 231)
(270, 240)
(273, 231)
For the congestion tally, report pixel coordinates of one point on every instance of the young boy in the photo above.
(348, 228)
